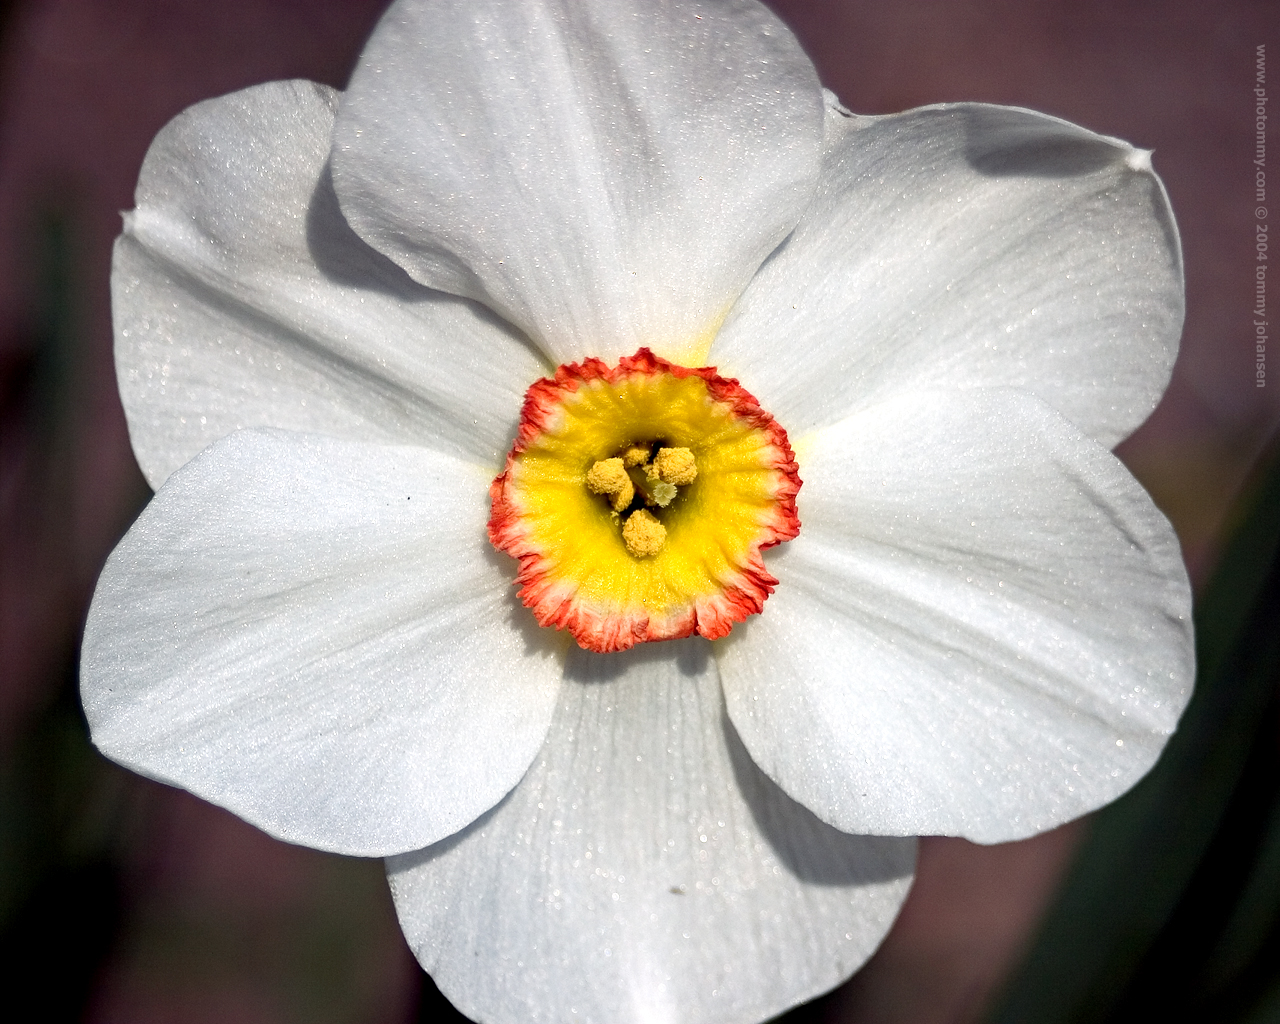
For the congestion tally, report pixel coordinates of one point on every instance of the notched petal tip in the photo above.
(986, 246)
(1140, 160)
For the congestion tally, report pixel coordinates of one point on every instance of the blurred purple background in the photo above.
(214, 921)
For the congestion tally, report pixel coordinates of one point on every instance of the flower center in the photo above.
(638, 498)
(635, 481)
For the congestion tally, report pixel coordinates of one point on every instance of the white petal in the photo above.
(983, 629)
(604, 175)
(968, 246)
(242, 298)
(316, 635)
(645, 870)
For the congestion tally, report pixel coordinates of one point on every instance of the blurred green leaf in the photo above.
(1171, 909)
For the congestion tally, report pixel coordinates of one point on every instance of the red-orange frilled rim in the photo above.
(638, 499)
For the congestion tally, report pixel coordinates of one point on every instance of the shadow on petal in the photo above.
(344, 257)
(690, 655)
(814, 851)
(1005, 142)
(538, 641)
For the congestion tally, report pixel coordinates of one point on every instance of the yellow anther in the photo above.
(643, 534)
(675, 466)
(630, 472)
(609, 477)
(636, 455)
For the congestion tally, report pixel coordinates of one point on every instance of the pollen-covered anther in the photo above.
(609, 477)
(636, 455)
(643, 535)
(675, 466)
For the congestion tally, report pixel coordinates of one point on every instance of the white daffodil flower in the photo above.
(373, 344)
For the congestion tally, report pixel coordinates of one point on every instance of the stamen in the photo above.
(609, 477)
(675, 466)
(643, 534)
(636, 455)
(630, 473)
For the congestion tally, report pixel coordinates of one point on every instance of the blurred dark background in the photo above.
(122, 900)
